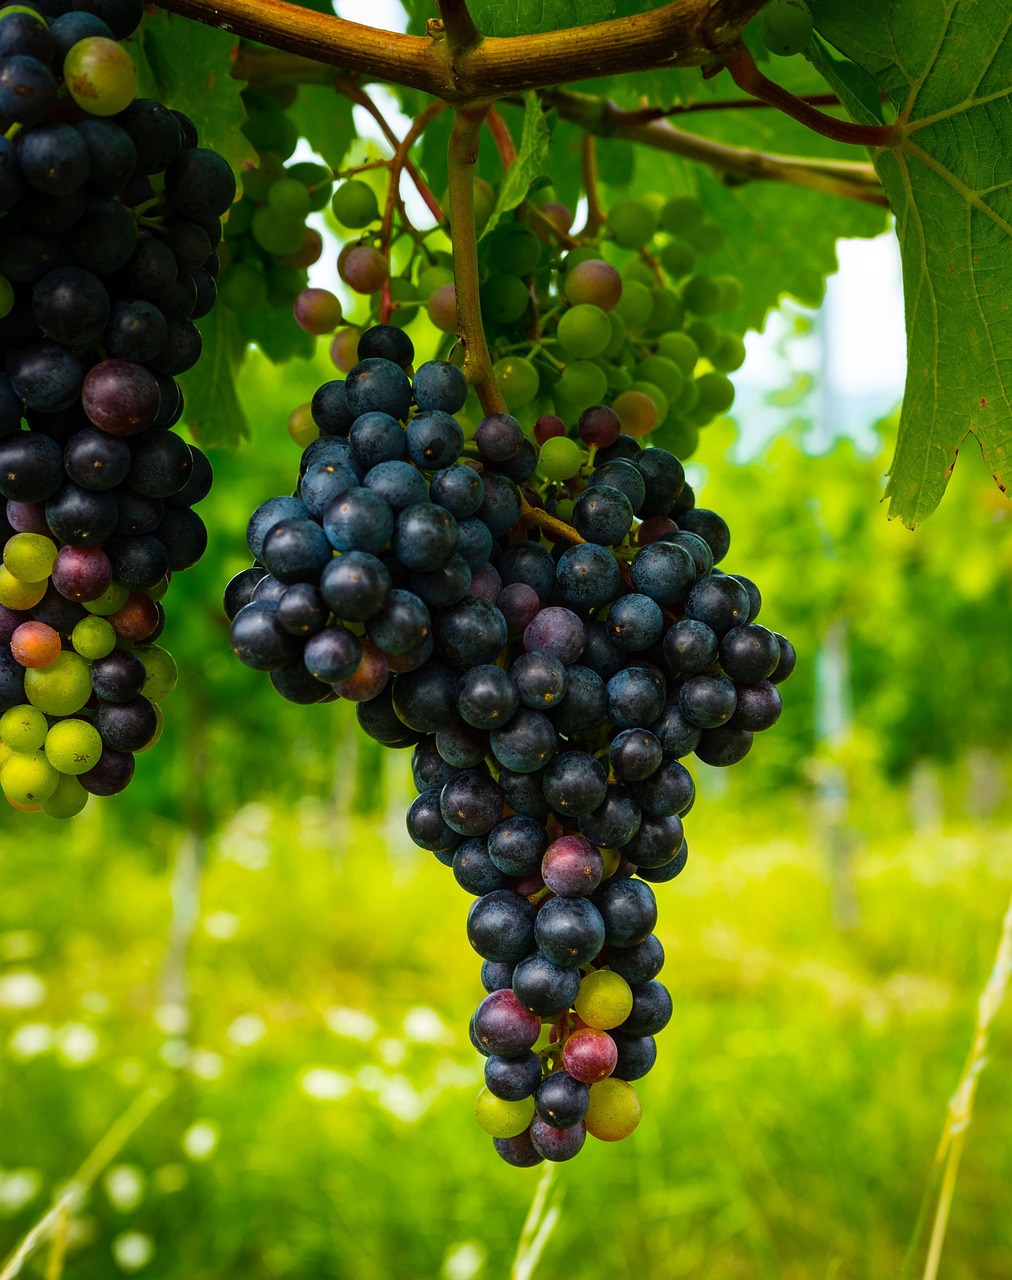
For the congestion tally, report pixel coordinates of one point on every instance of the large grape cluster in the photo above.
(110, 221)
(550, 676)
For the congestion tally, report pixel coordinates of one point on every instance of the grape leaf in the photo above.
(523, 17)
(212, 410)
(946, 68)
(184, 64)
(324, 119)
(529, 164)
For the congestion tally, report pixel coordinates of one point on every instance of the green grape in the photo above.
(29, 778)
(706, 238)
(316, 179)
(23, 728)
(635, 304)
(160, 589)
(637, 412)
(704, 335)
(652, 390)
(619, 377)
(161, 671)
(517, 380)
(112, 600)
(67, 800)
(16, 594)
(502, 1119)
(731, 292)
(666, 311)
(618, 335)
(729, 353)
(441, 308)
(275, 235)
(604, 1000)
(701, 295)
(6, 297)
(564, 509)
(73, 746)
(586, 253)
(240, 216)
(681, 214)
(632, 223)
(62, 688)
(639, 271)
(504, 299)
(30, 556)
(355, 204)
(266, 125)
(716, 393)
(100, 76)
(678, 436)
(484, 202)
(786, 27)
(9, 10)
(664, 373)
(584, 331)
(242, 288)
(559, 458)
(583, 384)
(430, 279)
(614, 1112)
(288, 200)
(93, 638)
(687, 401)
(677, 258)
(405, 295)
(680, 348)
(514, 249)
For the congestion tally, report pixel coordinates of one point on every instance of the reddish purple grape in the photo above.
(27, 517)
(599, 426)
(519, 604)
(82, 573)
(485, 582)
(593, 281)
(653, 529)
(317, 311)
(121, 397)
(504, 1026)
(547, 427)
(557, 1144)
(442, 308)
(589, 1055)
(363, 269)
(572, 867)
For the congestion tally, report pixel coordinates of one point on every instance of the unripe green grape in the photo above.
(355, 204)
(619, 377)
(513, 249)
(242, 288)
(584, 331)
(301, 427)
(30, 556)
(678, 436)
(93, 638)
(664, 373)
(706, 238)
(701, 295)
(504, 298)
(704, 335)
(276, 236)
(442, 308)
(100, 76)
(786, 27)
(62, 688)
(9, 10)
(29, 778)
(109, 602)
(687, 401)
(677, 258)
(430, 279)
(405, 297)
(604, 1000)
(240, 216)
(559, 458)
(680, 348)
(67, 800)
(596, 282)
(637, 412)
(484, 202)
(73, 746)
(681, 214)
(160, 668)
(517, 380)
(632, 223)
(502, 1119)
(362, 268)
(317, 181)
(6, 297)
(731, 292)
(729, 354)
(652, 390)
(159, 591)
(585, 253)
(618, 336)
(288, 200)
(716, 393)
(266, 125)
(635, 304)
(583, 383)
(666, 311)
(564, 509)
(23, 728)
(638, 270)
(614, 1112)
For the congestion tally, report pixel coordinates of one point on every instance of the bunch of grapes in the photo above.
(268, 247)
(549, 675)
(110, 221)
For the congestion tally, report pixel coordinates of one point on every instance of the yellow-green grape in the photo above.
(430, 279)
(6, 297)
(517, 380)
(681, 214)
(786, 27)
(161, 671)
(729, 353)
(502, 1119)
(276, 236)
(619, 378)
(666, 311)
(582, 384)
(639, 271)
(716, 393)
(159, 590)
(678, 258)
(652, 390)
(93, 638)
(62, 688)
(731, 292)
(301, 427)
(67, 800)
(584, 331)
(5, 753)
(680, 348)
(288, 200)
(636, 412)
(514, 249)
(662, 372)
(564, 509)
(678, 436)
(23, 728)
(316, 179)
(635, 304)
(615, 1110)
(111, 601)
(19, 595)
(632, 223)
(484, 202)
(100, 76)
(611, 858)
(704, 335)
(405, 298)
(355, 204)
(706, 238)
(604, 1000)
(701, 295)
(28, 778)
(159, 715)
(618, 336)
(689, 398)
(30, 556)
(73, 746)
(560, 458)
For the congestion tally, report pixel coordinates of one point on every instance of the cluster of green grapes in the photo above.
(628, 320)
(268, 247)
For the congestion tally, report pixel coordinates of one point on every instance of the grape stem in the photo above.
(501, 137)
(542, 520)
(588, 168)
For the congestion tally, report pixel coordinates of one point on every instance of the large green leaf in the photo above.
(529, 164)
(946, 68)
(324, 119)
(213, 412)
(519, 17)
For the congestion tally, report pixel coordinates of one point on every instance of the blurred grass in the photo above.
(321, 1121)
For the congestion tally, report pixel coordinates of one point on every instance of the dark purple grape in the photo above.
(557, 1144)
(634, 754)
(471, 803)
(562, 1101)
(615, 821)
(545, 988)
(569, 931)
(477, 874)
(516, 845)
(500, 926)
(332, 655)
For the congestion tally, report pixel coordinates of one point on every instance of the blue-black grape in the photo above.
(562, 1101)
(526, 743)
(459, 489)
(570, 931)
(575, 783)
(543, 987)
(513, 1078)
(588, 576)
(500, 926)
(516, 845)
